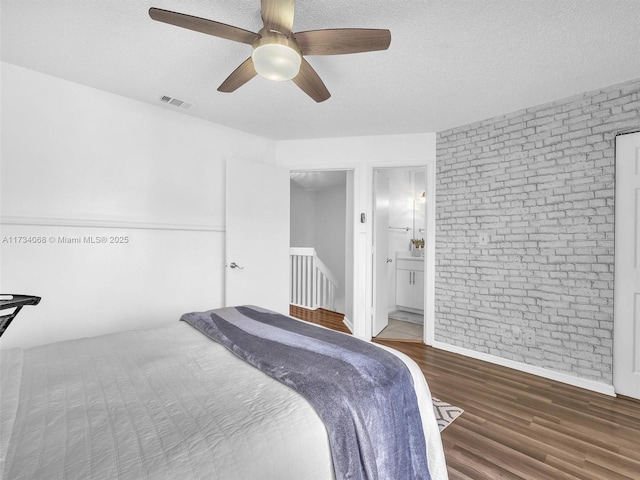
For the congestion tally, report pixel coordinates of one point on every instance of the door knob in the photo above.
(235, 265)
(389, 260)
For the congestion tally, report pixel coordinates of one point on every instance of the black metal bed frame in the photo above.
(17, 302)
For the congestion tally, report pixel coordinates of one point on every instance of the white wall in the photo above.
(303, 217)
(79, 162)
(346, 152)
(330, 234)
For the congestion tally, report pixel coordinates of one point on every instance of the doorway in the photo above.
(321, 226)
(399, 233)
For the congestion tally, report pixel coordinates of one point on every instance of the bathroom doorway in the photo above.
(399, 225)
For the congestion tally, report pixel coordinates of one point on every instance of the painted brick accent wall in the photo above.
(525, 232)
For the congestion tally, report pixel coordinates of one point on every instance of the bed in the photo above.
(171, 403)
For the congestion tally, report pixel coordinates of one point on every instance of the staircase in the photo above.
(312, 285)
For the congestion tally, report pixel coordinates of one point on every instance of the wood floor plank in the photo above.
(508, 459)
(579, 471)
(458, 475)
(615, 462)
(477, 466)
(519, 426)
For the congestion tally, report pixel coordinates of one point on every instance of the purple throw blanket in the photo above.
(362, 393)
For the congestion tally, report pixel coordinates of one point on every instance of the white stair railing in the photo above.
(312, 285)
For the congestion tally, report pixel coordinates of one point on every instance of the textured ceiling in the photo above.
(451, 62)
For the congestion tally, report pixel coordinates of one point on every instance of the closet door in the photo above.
(626, 339)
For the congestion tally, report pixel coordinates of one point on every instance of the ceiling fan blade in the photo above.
(342, 40)
(203, 25)
(278, 15)
(238, 77)
(309, 81)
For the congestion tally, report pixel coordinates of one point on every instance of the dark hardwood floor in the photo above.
(320, 316)
(521, 426)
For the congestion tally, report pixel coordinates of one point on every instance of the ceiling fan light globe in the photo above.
(276, 61)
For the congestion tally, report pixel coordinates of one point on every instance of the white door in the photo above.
(257, 235)
(380, 252)
(626, 342)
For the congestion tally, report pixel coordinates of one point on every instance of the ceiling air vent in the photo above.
(175, 102)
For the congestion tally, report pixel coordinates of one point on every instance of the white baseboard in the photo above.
(534, 370)
(348, 323)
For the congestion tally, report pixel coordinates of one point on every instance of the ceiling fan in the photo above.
(278, 53)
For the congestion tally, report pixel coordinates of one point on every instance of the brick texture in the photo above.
(525, 232)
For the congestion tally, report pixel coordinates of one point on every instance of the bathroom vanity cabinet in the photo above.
(410, 283)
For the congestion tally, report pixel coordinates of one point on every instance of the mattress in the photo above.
(163, 403)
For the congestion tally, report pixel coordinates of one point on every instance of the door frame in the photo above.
(430, 247)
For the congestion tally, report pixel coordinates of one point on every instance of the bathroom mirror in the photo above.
(418, 193)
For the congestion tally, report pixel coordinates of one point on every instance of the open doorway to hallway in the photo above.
(321, 256)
